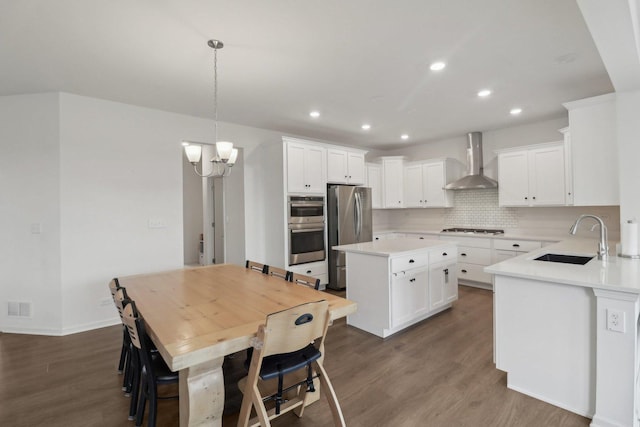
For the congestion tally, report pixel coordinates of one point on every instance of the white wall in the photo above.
(97, 172)
(628, 106)
(29, 195)
(121, 167)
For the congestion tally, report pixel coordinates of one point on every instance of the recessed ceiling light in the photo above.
(315, 114)
(484, 92)
(515, 111)
(437, 66)
(366, 126)
(404, 136)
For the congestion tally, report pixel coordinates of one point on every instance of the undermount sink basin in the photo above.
(566, 259)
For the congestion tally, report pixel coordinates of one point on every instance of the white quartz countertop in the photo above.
(392, 247)
(614, 273)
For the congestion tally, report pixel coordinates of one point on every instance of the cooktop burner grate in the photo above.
(473, 230)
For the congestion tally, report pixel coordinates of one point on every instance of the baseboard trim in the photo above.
(65, 331)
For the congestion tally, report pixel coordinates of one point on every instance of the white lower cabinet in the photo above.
(474, 254)
(394, 291)
(443, 285)
(508, 248)
(409, 295)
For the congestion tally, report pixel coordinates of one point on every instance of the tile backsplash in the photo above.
(479, 208)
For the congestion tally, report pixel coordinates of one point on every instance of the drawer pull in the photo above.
(421, 238)
(412, 280)
(308, 271)
(463, 254)
(444, 254)
(411, 261)
(515, 245)
(464, 271)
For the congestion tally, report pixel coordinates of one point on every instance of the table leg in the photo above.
(202, 394)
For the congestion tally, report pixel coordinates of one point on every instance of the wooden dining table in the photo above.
(197, 316)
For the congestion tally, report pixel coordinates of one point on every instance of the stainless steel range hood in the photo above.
(475, 178)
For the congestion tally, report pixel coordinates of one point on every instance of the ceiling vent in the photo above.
(475, 179)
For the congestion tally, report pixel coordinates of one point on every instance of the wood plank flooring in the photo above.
(437, 373)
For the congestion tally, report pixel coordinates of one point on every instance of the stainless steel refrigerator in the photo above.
(348, 221)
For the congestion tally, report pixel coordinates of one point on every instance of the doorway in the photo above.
(212, 209)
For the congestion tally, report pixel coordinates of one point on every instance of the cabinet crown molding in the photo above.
(529, 147)
(328, 146)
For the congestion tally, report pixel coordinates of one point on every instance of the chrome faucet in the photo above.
(603, 245)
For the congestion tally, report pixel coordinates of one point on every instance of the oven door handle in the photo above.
(305, 230)
(306, 205)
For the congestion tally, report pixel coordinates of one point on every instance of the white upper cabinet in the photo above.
(424, 183)
(593, 151)
(306, 168)
(374, 180)
(345, 167)
(392, 181)
(532, 176)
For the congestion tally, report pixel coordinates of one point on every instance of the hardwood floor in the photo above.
(437, 373)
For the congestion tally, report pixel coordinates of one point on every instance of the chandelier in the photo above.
(226, 155)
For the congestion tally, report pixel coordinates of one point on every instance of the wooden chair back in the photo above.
(129, 320)
(295, 328)
(279, 272)
(305, 280)
(119, 299)
(252, 265)
(286, 336)
(114, 285)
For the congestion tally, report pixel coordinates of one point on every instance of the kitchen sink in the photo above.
(566, 259)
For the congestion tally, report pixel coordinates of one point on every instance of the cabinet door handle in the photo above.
(463, 254)
(515, 245)
(526, 198)
(421, 238)
(464, 271)
(308, 271)
(411, 261)
(412, 280)
(534, 197)
(377, 238)
(444, 254)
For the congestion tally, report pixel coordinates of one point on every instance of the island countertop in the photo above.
(615, 273)
(392, 247)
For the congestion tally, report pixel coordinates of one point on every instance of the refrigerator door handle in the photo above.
(358, 216)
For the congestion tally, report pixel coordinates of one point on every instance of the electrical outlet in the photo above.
(615, 320)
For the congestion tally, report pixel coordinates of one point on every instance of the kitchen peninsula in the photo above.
(568, 333)
(399, 282)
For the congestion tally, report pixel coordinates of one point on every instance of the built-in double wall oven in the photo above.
(305, 216)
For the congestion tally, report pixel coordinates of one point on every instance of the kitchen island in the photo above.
(568, 333)
(399, 282)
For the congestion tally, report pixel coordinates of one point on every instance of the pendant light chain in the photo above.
(215, 91)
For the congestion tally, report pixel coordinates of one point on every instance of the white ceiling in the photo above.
(355, 61)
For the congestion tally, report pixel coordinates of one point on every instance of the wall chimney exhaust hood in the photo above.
(475, 178)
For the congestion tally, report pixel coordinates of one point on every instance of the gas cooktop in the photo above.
(472, 230)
